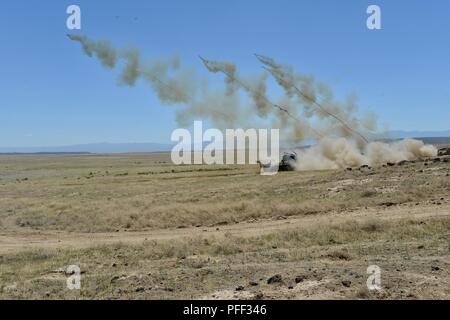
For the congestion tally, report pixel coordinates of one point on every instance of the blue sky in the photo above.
(52, 94)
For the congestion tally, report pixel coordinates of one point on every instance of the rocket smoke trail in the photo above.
(259, 96)
(297, 112)
(277, 72)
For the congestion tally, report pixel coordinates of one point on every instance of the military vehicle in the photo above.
(288, 161)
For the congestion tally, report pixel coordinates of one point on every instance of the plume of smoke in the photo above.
(172, 83)
(307, 91)
(258, 94)
(407, 149)
(131, 72)
(175, 84)
(164, 75)
(229, 68)
(257, 91)
(102, 49)
(335, 153)
(296, 112)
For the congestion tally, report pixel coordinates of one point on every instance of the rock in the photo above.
(435, 268)
(259, 296)
(299, 279)
(349, 169)
(401, 163)
(390, 164)
(239, 288)
(275, 279)
(388, 204)
(253, 283)
(346, 283)
(140, 289)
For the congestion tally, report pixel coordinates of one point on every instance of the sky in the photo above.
(52, 94)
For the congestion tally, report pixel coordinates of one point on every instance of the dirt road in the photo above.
(17, 241)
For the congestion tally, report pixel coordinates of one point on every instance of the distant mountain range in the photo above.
(436, 137)
(93, 148)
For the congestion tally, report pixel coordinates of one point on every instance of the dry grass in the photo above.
(193, 266)
(94, 193)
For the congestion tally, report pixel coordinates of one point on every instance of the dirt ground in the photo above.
(140, 228)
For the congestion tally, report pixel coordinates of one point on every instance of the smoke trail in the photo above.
(258, 94)
(102, 49)
(296, 112)
(307, 92)
(175, 84)
(131, 72)
(165, 76)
